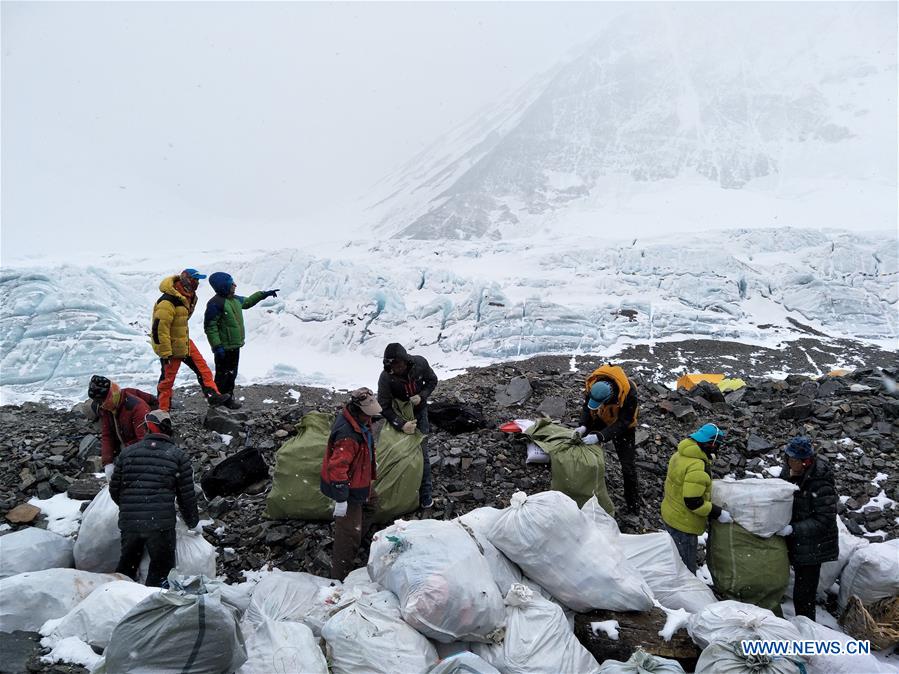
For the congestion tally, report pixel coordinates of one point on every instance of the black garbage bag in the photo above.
(233, 475)
(455, 418)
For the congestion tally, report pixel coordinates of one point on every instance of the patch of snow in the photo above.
(880, 477)
(610, 627)
(841, 456)
(294, 394)
(674, 620)
(703, 538)
(774, 471)
(72, 650)
(844, 498)
(226, 439)
(268, 401)
(572, 364)
(5, 527)
(63, 513)
(880, 501)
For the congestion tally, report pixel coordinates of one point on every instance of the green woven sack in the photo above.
(748, 568)
(400, 466)
(578, 470)
(296, 487)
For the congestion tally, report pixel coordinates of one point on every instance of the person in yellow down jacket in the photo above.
(171, 337)
(687, 504)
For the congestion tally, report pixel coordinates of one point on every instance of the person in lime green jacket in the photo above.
(687, 504)
(223, 324)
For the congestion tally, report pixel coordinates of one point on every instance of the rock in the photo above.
(220, 420)
(93, 464)
(515, 392)
(85, 489)
(60, 482)
(281, 433)
(45, 491)
(24, 513)
(808, 389)
(877, 524)
(707, 391)
(89, 445)
(640, 437)
(801, 409)
(635, 630)
(829, 387)
(684, 413)
(217, 506)
(277, 534)
(553, 407)
(756, 445)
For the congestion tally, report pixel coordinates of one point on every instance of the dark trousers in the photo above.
(425, 491)
(626, 449)
(160, 545)
(348, 533)
(226, 370)
(805, 588)
(686, 546)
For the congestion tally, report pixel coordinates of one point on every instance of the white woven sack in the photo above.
(762, 506)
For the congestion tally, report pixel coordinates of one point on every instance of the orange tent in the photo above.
(688, 381)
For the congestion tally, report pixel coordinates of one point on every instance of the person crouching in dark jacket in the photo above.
(348, 470)
(121, 412)
(149, 477)
(812, 536)
(410, 378)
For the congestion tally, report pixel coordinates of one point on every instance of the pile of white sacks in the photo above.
(492, 591)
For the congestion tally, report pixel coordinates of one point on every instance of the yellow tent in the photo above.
(688, 381)
(728, 385)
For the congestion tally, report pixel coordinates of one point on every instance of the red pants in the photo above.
(196, 363)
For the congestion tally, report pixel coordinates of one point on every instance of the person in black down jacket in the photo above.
(812, 536)
(404, 378)
(148, 477)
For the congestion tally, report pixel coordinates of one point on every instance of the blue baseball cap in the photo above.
(599, 393)
(708, 433)
(193, 273)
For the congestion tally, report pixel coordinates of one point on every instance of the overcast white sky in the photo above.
(131, 126)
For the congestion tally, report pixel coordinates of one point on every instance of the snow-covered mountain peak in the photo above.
(696, 115)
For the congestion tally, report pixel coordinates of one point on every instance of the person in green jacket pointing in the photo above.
(223, 324)
(687, 503)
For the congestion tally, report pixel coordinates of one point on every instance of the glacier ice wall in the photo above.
(458, 303)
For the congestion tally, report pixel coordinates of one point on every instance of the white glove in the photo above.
(415, 400)
(340, 509)
(591, 439)
(786, 531)
(108, 468)
(579, 432)
(725, 517)
(409, 427)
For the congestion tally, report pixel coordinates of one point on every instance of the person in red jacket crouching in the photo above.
(348, 470)
(121, 412)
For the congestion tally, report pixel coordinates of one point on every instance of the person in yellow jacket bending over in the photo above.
(171, 337)
(610, 413)
(687, 504)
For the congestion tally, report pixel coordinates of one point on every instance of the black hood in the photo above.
(395, 351)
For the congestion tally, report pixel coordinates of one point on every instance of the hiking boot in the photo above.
(216, 399)
(232, 404)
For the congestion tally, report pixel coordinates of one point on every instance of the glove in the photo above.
(415, 400)
(218, 351)
(339, 509)
(272, 293)
(725, 517)
(108, 468)
(591, 439)
(409, 427)
(579, 432)
(786, 531)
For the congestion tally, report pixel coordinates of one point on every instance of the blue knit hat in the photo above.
(708, 433)
(599, 393)
(800, 447)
